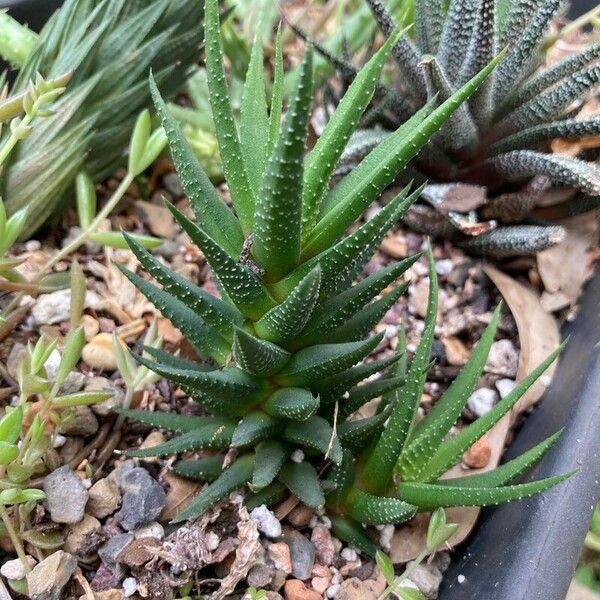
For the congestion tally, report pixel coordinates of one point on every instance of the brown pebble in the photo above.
(478, 455)
(279, 553)
(300, 516)
(324, 548)
(294, 589)
(98, 353)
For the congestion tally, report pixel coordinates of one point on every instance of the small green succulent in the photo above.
(110, 45)
(285, 346)
(498, 140)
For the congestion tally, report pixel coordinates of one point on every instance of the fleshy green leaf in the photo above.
(296, 404)
(315, 433)
(270, 456)
(254, 427)
(277, 94)
(303, 481)
(378, 510)
(272, 494)
(352, 532)
(203, 469)
(233, 478)
(278, 217)
(256, 356)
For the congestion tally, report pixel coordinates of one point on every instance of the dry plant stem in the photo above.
(589, 17)
(14, 538)
(407, 573)
(80, 239)
(115, 437)
(98, 441)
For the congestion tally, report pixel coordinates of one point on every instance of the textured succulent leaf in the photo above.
(506, 472)
(569, 129)
(286, 320)
(428, 496)
(362, 394)
(381, 166)
(315, 433)
(254, 121)
(427, 435)
(231, 387)
(303, 481)
(324, 157)
(203, 469)
(518, 15)
(212, 213)
(270, 495)
(521, 53)
(456, 35)
(173, 360)
(452, 449)
(380, 464)
(521, 164)
(270, 456)
(214, 312)
(404, 52)
(277, 94)
(311, 364)
(208, 435)
(358, 434)
(258, 357)
(231, 479)
(229, 144)
(254, 427)
(517, 240)
(345, 528)
(429, 24)
(378, 510)
(170, 421)
(205, 340)
(296, 404)
(278, 216)
(243, 287)
(332, 387)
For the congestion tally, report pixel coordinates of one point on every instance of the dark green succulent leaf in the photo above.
(254, 121)
(173, 422)
(230, 386)
(277, 94)
(345, 528)
(324, 157)
(278, 216)
(205, 340)
(340, 479)
(358, 434)
(270, 456)
(456, 35)
(403, 51)
(382, 460)
(303, 481)
(338, 309)
(429, 23)
(257, 356)
(362, 394)
(427, 435)
(315, 433)
(460, 131)
(520, 54)
(231, 479)
(272, 494)
(209, 435)
(296, 404)
(428, 496)
(333, 387)
(243, 287)
(287, 320)
(452, 449)
(203, 469)
(507, 472)
(517, 14)
(311, 364)
(378, 170)
(546, 132)
(229, 144)
(254, 427)
(216, 313)
(523, 164)
(378, 510)
(212, 213)
(172, 360)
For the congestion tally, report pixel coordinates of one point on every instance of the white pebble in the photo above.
(461, 579)
(505, 387)
(297, 456)
(349, 554)
(129, 586)
(385, 537)
(212, 540)
(13, 569)
(59, 441)
(481, 401)
(444, 266)
(150, 530)
(266, 521)
(333, 590)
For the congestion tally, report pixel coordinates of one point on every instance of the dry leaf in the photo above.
(538, 336)
(180, 494)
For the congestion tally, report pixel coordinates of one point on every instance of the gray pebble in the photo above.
(66, 496)
(143, 499)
